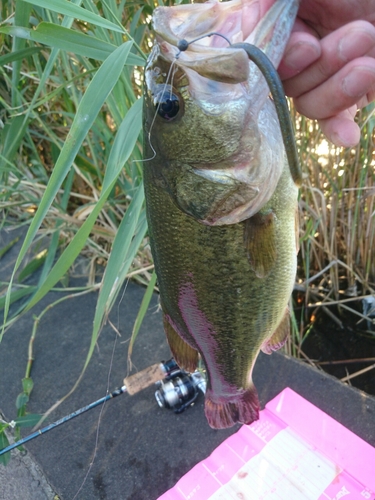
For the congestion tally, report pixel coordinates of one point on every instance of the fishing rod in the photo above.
(177, 391)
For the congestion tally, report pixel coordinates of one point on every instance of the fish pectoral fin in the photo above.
(204, 197)
(279, 337)
(260, 243)
(186, 357)
(242, 408)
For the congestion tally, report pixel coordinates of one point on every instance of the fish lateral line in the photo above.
(260, 59)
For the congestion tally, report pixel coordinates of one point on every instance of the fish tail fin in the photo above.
(186, 357)
(221, 413)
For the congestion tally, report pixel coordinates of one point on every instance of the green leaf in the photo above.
(124, 143)
(119, 251)
(27, 384)
(141, 313)
(69, 40)
(127, 259)
(54, 242)
(129, 130)
(3, 426)
(4, 459)
(71, 10)
(12, 135)
(28, 420)
(89, 107)
(18, 55)
(7, 247)
(33, 265)
(21, 18)
(16, 295)
(22, 400)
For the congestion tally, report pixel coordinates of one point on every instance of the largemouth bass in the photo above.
(221, 201)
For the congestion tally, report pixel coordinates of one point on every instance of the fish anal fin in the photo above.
(186, 357)
(279, 337)
(260, 243)
(222, 413)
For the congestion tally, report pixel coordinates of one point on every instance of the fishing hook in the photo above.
(183, 44)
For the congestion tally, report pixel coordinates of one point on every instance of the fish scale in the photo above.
(244, 309)
(224, 288)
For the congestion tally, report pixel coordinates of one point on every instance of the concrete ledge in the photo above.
(23, 478)
(142, 450)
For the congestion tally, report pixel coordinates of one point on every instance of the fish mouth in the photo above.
(231, 91)
(209, 29)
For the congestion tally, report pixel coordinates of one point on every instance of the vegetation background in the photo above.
(70, 171)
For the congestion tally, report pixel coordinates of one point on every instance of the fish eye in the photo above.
(169, 107)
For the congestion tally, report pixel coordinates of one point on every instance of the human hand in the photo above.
(329, 64)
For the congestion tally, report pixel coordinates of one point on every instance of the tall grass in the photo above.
(337, 224)
(71, 118)
(70, 111)
(71, 138)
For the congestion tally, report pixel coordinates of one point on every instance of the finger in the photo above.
(302, 50)
(341, 129)
(345, 44)
(344, 89)
(366, 99)
(326, 16)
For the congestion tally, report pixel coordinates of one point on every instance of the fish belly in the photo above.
(212, 299)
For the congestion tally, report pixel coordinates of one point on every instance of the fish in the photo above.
(221, 199)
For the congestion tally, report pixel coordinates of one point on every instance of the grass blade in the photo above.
(71, 10)
(21, 18)
(65, 39)
(90, 105)
(11, 139)
(122, 149)
(17, 295)
(18, 55)
(141, 313)
(119, 251)
(7, 247)
(4, 459)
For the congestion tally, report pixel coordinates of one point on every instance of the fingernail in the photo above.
(358, 82)
(300, 56)
(348, 137)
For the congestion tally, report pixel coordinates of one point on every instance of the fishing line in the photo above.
(259, 58)
(158, 106)
(182, 46)
(269, 72)
(107, 397)
(172, 382)
(99, 419)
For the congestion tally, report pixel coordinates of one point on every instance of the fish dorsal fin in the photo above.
(260, 242)
(280, 335)
(186, 357)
